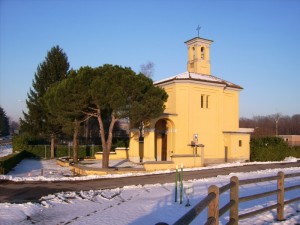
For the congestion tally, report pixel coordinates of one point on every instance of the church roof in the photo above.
(198, 77)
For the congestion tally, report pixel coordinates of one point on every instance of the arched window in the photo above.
(194, 53)
(202, 53)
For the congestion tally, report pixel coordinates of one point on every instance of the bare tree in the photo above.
(273, 124)
(148, 69)
(276, 118)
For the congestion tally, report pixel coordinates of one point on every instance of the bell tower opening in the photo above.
(198, 55)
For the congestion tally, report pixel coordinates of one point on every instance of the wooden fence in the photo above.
(211, 201)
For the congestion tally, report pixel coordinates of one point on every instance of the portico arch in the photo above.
(164, 138)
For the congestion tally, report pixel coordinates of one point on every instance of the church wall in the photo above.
(231, 111)
(192, 119)
(240, 152)
(238, 146)
(181, 120)
(133, 152)
(205, 118)
(171, 103)
(201, 106)
(189, 117)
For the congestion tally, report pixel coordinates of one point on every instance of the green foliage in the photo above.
(4, 123)
(53, 69)
(10, 161)
(121, 143)
(67, 99)
(22, 141)
(43, 151)
(108, 93)
(271, 149)
(123, 93)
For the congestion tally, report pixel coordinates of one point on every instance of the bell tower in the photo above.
(198, 55)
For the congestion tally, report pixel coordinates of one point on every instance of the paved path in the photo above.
(18, 192)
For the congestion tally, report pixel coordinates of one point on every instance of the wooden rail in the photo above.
(211, 201)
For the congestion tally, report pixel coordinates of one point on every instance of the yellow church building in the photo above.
(200, 124)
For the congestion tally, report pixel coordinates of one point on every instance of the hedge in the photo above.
(41, 148)
(271, 149)
(10, 161)
(44, 151)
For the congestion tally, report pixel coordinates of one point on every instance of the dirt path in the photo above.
(18, 192)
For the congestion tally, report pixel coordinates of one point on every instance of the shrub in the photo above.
(10, 161)
(21, 142)
(43, 151)
(271, 149)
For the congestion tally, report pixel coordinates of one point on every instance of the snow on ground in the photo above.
(147, 204)
(48, 170)
(136, 205)
(5, 150)
(33, 168)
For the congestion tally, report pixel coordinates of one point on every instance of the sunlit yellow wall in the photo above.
(216, 122)
(134, 146)
(171, 103)
(199, 62)
(231, 110)
(221, 114)
(236, 152)
(187, 118)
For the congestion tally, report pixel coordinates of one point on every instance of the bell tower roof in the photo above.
(198, 39)
(198, 55)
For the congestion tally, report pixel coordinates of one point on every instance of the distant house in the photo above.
(201, 122)
(292, 140)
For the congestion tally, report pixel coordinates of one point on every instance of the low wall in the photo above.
(159, 165)
(63, 163)
(188, 160)
(84, 171)
(119, 153)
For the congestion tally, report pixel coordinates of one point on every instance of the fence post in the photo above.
(213, 207)
(45, 152)
(280, 196)
(234, 196)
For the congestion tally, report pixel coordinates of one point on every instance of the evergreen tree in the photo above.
(4, 123)
(38, 121)
(108, 93)
(66, 101)
(117, 93)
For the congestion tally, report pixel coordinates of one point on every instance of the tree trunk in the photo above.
(106, 144)
(110, 132)
(75, 141)
(105, 156)
(52, 146)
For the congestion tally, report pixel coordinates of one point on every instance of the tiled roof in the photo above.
(198, 77)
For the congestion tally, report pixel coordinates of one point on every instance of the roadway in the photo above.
(19, 192)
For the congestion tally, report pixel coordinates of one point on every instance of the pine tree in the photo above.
(108, 93)
(38, 121)
(4, 123)
(117, 92)
(66, 101)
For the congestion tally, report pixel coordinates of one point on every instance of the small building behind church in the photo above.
(200, 124)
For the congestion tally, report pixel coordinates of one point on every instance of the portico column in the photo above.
(149, 145)
(133, 153)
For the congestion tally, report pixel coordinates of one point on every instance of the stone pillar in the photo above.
(149, 145)
(133, 152)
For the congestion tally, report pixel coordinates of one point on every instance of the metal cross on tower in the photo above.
(198, 29)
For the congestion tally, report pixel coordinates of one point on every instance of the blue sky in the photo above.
(256, 43)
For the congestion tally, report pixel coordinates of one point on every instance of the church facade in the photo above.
(200, 124)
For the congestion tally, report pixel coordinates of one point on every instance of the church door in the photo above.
(164, 145)
(161, 140)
